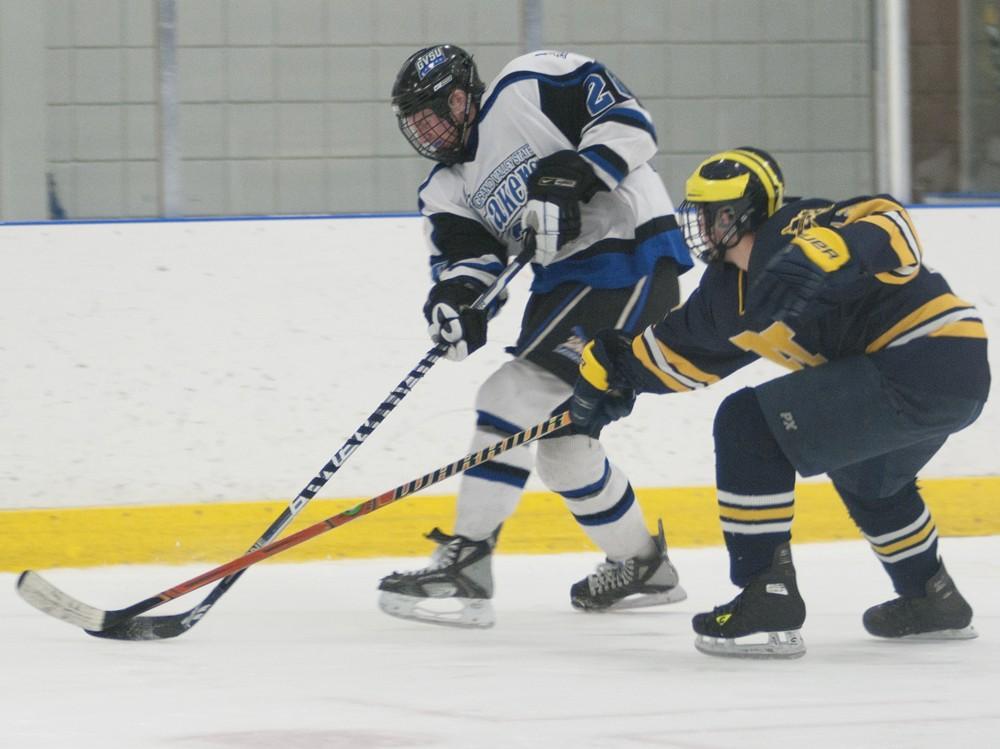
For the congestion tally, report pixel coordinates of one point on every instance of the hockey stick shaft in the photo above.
(380, 413)
(65, 609)
(369, 506)
(179, 623)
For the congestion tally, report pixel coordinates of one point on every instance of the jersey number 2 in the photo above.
(599, 97)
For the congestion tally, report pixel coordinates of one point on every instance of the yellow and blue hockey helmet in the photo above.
(729, 194)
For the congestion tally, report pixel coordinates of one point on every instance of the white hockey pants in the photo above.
(516, 396)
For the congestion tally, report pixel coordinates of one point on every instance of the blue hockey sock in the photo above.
(902, 534)
(755, 483)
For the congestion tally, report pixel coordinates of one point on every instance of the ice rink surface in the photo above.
(298, 657)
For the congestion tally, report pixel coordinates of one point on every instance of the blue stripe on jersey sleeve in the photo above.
(594, 154)
(628, 117)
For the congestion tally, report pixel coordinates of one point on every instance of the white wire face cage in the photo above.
(695, 229)
(700, 221)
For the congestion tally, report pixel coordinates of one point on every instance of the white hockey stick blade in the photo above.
(48, 599)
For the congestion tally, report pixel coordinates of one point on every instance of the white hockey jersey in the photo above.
(541, 103)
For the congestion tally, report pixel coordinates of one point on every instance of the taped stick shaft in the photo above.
(368, 506)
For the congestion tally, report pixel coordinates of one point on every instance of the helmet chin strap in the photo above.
(464, 126)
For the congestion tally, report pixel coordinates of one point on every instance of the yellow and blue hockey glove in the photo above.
(600, 394)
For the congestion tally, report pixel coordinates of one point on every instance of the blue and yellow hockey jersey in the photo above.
(883, 299)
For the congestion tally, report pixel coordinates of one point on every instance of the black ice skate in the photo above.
(941, 614)
(763, 621)
(454, 589)
(630, 584)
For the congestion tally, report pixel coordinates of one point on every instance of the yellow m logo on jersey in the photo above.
(777, 343)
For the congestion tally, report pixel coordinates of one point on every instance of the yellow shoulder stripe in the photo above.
(961, 329)
(858, 211)
(923, 313)
(899, 243)
(902, 235)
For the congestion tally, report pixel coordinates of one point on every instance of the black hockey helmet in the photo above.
(421, 100)
(729, 194)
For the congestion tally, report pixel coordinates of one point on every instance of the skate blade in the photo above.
(644, 600)
(965, 633)
(778, 645)
(466, 613)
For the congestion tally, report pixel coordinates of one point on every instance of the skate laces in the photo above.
(445, 555)
(612, 575)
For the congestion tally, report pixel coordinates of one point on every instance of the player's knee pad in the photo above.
(874, 479)
(740, 427)
(518, 395)
(863, 507)
(570, 462)
(748, 459)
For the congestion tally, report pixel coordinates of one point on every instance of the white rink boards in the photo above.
(227, 361)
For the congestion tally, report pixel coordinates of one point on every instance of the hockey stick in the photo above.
(164, 627)
(47, 598)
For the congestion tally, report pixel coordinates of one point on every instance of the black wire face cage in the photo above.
(700, 221)
(421, 103)
(433, 135)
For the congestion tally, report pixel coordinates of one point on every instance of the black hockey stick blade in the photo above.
(172, 625)
(165, 626)
(147, 627)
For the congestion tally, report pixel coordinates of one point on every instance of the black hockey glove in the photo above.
(792, 281)
(556, 188)
(451, 318)
(600, 394)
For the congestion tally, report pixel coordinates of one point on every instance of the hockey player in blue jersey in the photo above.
(886, 363)
(558, 144)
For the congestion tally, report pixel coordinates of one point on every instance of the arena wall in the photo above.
(168, 387)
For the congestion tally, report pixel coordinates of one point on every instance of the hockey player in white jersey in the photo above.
(556, 143)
